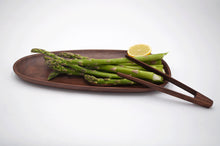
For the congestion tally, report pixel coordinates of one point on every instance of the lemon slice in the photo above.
(139, 50)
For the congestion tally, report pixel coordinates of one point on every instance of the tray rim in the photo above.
(82, 87)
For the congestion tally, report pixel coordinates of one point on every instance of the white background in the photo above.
(43, 116)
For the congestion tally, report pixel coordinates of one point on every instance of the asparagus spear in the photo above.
(88, 62)
(142, 74)
(106, 81)
(110, 68)
(155, 62)
(136, 73)
(53, 74)
(78, 56)
(57, 65)
(137, 67)
(60, 68)
(71, 55)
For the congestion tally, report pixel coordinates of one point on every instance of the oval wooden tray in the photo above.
(33, 69)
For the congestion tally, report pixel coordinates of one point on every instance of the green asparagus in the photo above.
(75, 64)
(106, 81)
(155, 62)
(71, 55)
(53, 74)
(90, 61)
(57, 65)
(136, 73)
(137, 67)
(78, 56)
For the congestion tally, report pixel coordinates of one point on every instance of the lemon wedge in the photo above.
(139, 50)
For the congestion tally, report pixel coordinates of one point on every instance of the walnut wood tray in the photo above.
(33, 69)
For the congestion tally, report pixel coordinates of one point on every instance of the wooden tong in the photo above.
(198, 99)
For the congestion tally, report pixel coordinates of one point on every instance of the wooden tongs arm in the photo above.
(198, 98)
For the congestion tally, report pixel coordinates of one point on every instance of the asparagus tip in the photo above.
(36, 50)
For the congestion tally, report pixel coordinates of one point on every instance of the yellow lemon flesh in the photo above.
(139, 50)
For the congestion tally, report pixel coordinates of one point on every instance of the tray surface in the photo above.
(33, 69)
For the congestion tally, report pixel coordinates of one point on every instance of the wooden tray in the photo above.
(33, 69)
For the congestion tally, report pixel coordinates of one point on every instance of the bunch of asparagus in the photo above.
(101, 71)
